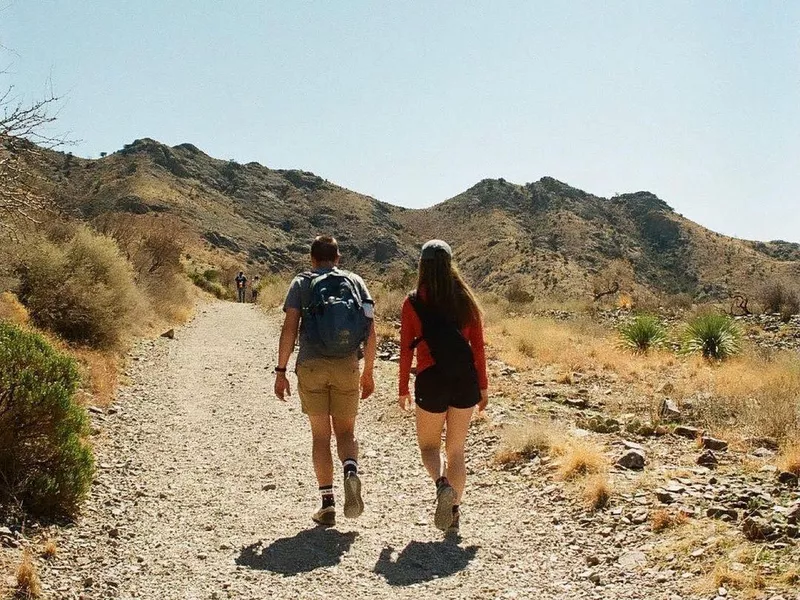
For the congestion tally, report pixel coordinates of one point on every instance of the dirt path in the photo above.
(205, 489)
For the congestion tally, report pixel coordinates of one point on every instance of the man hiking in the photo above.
(241, 285)
(255, 287)
(333, 312)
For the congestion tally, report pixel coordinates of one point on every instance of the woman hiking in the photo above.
(442, 324)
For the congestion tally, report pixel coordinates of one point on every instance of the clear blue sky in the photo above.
(413, 102)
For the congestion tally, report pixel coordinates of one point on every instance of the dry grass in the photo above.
(272, 291)
(581, 458)
(663, 519)
(28, 585)
(790, 577)
(579, 345)
(724, 576)
(597, 491)
(526, 441)
(49, 550)
(789, 459)
(564, 379)
(12, 310)
(100, 371)
(762, 392)
(757, 393)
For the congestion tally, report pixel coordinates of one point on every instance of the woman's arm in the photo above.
(479, 353)
(407, 335)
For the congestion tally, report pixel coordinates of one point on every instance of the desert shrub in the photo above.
(211, 275)
(45, 462)
(642, 333)
(212, 287)
(778, 299)
(712, 335)
(83, 290)
(154, 245)
(518, 293)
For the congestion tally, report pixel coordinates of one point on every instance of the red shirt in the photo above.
(411, 329)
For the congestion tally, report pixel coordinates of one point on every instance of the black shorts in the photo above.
(435, 393)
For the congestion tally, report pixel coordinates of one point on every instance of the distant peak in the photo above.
(644, 199)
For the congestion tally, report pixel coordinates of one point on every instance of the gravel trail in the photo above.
(205, 489)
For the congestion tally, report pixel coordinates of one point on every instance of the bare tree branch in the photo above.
(23, 135)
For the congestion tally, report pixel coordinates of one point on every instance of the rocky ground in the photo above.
(204, 490)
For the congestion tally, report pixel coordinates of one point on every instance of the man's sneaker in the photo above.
(353, 504)
(325, 516)
(445, 499)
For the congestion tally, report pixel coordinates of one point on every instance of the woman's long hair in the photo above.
(445, 290)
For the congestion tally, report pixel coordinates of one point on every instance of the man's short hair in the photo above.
(325, 249)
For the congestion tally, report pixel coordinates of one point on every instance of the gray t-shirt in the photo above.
(293, 300)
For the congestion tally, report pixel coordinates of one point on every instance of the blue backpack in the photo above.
(334, 321)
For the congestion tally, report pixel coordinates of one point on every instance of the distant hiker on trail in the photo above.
(441, 321)
(255, 287)
(241, 285)
(334, 313)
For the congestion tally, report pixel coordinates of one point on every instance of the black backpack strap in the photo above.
(422, 314)
(306, 280)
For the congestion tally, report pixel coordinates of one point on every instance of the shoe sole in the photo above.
(331, 522)
(353, 504)
(445, 501)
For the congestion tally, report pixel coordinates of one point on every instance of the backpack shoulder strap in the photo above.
(306, 279)
(421, 313)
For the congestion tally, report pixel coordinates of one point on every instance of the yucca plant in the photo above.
(642, 333)
(715, 336)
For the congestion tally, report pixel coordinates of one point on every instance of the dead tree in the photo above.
(739, 303)
(23, 136)
(598, 294)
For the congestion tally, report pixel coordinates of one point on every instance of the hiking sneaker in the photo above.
(453, 531)
(445, 499)
(353, 504)
(325, 516)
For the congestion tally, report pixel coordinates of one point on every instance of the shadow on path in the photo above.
(308, 550)
(423, 561)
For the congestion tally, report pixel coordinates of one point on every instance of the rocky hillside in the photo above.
(553, 238)
(262, 216)
(546, 237)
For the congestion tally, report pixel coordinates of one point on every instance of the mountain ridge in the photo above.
(545, 236)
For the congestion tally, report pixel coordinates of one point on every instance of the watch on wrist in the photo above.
(280, 369)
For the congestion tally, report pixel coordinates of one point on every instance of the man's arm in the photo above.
(370, 349)
(291, 325)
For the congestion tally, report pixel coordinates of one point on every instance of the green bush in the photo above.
(45, 463)
(212, 287)
(712, 335)
(642, 333)
(82, 289)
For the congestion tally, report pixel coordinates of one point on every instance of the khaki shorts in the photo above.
(329, 386)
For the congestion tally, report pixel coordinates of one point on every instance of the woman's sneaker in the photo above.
(453, 531)
(353, 504)
(445, 499)
(325, 516)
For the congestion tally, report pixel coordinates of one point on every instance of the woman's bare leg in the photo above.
(457, 428)
(429, 437)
